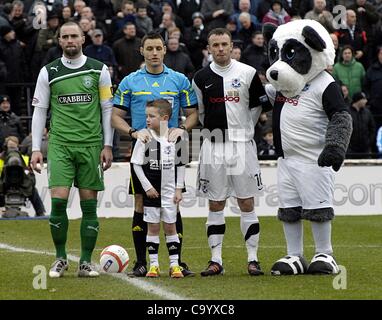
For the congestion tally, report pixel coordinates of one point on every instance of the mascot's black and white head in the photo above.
(298, 51)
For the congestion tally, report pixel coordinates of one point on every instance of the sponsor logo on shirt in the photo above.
(75, 98)
(283, 99)
(224, 99)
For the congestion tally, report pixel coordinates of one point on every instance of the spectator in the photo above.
(248, 28)
(266, 146)
(87, 12)
(127, 52)
(127, 14)
(353, 35)
(373, 85)
(255, 55)
(266, 5)
(216, 13)
(21, 23)
(276, 14)
(142, 20)
(304, 6)
(321, 14)
(13, 56)
(66, 14)
(244, 6)
(78, 6)
(168, 7)
(154, 11)
(345, 94)
(350, 72)
(236, 53)
(10, 123)
(196, 40)
(178, 60)
(363, 136)
(167, 24)
(367, 17)
(46, 39)
(100, 51)
(336, 46)
(186, 8)
(87, 28)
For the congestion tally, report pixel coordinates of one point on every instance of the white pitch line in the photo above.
(357, 246)
(139, 283)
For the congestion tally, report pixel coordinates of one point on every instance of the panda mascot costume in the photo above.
(312, 129)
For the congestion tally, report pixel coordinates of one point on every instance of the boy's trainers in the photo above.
(154, 272)
(176, 272)
(58, 268)
(87, 270)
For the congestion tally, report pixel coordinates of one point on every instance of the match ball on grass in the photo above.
(114, 259)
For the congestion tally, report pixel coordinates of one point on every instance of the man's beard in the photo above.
(71, 52)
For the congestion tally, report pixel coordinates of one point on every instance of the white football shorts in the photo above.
(304, 184)
(156, 214)
(228, 169)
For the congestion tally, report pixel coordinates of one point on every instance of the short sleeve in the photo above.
(138, 156)
(122, 96)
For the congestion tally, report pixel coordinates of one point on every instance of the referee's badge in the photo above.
(236, 83)
(87, 81)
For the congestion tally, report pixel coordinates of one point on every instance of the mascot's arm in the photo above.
(339, 129)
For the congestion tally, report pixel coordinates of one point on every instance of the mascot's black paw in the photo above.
(289, 265)
(331, 156)
(323, 264)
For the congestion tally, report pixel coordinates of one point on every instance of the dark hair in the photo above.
(163, 106)
(219, 32)
(151, 36)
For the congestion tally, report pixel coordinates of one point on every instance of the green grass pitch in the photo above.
(357, 244)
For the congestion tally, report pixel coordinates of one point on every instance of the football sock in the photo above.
(89, 228)
(173, 246)
(139, 228)
(293, 232)
(322, 236)
(215, 226)
(59, 223)
(179, 230)
(250, 228)
(152, 243)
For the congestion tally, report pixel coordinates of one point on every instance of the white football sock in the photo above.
(154, 240)
(215, 226)
(249, 225)
(322, 232)
(293, 232)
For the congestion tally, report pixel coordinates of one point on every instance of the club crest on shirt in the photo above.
(167, 150)
(236, 83)
(87, 81)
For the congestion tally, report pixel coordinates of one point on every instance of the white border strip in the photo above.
(139, 283)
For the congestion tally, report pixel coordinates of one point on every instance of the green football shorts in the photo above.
(79, 165)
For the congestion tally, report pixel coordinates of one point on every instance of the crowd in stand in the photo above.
(113, 29)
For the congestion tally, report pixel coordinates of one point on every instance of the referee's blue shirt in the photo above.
(141, 86)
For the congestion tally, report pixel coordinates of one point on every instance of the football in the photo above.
(114, 259)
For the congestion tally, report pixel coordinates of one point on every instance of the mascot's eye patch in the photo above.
(273, 51)
(297, 56)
